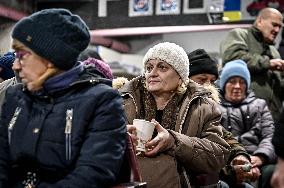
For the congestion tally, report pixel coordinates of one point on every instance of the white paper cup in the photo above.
(144, 130)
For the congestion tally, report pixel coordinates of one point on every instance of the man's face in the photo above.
(28, 65)
(235, 90)
(204, 78)
(270, 26)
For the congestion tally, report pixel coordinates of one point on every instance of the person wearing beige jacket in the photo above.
(188, 137)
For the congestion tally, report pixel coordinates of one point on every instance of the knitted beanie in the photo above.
(100, 66)
(54, 34)
(234, 68)
(200, 63)
(6, 63)
(172, 54)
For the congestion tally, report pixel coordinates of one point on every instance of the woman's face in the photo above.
(27, 64)
(235, 90)
(161, 78)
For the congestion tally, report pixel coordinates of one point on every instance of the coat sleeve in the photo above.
(102, 152)
(235, 47)
(236, 148)
(206, 151)
(266, 128)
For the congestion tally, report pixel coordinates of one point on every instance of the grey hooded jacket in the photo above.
(252, 125)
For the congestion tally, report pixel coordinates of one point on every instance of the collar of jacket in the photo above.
(58, 82)
(193, 89)
(63, 80)
(258, 35)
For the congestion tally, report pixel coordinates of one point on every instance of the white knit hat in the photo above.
(172, 54)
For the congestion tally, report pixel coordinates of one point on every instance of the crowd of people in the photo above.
(64, 119)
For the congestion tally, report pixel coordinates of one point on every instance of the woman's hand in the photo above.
(257, 161)
(132, 130)
(162, 142)
(240, 160)
(244, 175)
(244, 169)
(255, 174)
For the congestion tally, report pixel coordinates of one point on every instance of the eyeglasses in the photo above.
(21, 53)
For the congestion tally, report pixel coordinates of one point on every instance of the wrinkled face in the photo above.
(204, 78)
(270, 26)
(235, 89)
(161, 78)
(27, 64)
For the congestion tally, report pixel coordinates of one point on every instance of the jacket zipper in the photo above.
(68, 133)
(185, 175)
(185, 113)
(13, 122)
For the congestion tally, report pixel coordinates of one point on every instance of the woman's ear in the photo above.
(180, 81)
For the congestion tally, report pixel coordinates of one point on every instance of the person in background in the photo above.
(7, 76)
(93, 61)
(60, 126)
(204, 70)
(4, 86)
(6, 62)
(99, 67)
(247, 118)
(277, 180)
(255, 46)
(188, 136)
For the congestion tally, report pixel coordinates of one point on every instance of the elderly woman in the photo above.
(56, 124)
(247, 117)
(188, 135)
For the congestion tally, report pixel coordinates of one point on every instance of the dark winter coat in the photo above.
(252, 125)
(70, 134)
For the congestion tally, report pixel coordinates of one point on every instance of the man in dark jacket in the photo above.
(255, 46)
(62, 126)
